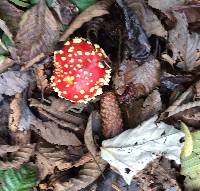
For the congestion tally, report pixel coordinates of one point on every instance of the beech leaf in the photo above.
(38, 32)
(133, 149)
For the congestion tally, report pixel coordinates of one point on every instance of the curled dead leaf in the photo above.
(96, 10)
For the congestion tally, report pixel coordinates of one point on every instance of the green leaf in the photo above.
(23, 179)
(49, 2)
(190, 165)
(20, 3)
(83, 4)
(34, 2)
(5, 39)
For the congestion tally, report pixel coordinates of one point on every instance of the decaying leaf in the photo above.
(38, 33)
(10, 14)
(53, 134)
(147, 18)
(165, 5)
(110, 115)
(136, 42)
(57, 112)
(8, 149)
(88, 135)
(12, 82)
(185, 46)
(190, 165)
(20, 116)
(87, 175)
(133, 149)
(158, 175)
(5, 63)
(20, 157)
(65, 10)
(96, 10)
(41, 78)
(144, 77)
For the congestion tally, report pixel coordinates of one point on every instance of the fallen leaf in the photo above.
(5, 63)
(57, 112)
(146, 75)
(185, 46)
(88, 135)
(20, 157)
(133, 149)
(19, 119)
(39, 29)
(158, 175)
(41, 78)
(96, 10)
(50, 158)
(6, 30)
(8, 149)
(10, 14)
(189, 165)
(53, 134)
(83, 4)
(165, 5)
(110, 115)
(65, 10)
(87, 175)
(136, 44)
(149, 21)
(12, 82)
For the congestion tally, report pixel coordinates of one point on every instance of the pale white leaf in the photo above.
(133, 149)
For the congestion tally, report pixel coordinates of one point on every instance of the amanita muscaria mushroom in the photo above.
(79, 72)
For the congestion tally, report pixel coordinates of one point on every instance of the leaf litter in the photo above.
(48, 143)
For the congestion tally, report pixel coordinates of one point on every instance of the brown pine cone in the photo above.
(110, 115)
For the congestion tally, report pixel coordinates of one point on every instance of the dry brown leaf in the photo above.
(20, 157)
(10, 14)
(151, 106)
(57, 113)
(197, 89)
(53, 134)
(12, 82)
(88, 134)
(38, 32)
(185, 46)
(110, 115)
(146, 75)
(48, 158)
(87, 175)
(8, 149)
(7, 63)
(161, 174)
(65, 10)
(19, 119)
(96, 10)
(41, 78)
(149, 21)
(178, 105)
(165, 5)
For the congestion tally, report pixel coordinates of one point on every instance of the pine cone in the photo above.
(110, 115)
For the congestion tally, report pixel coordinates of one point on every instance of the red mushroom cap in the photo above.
(79, 72)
